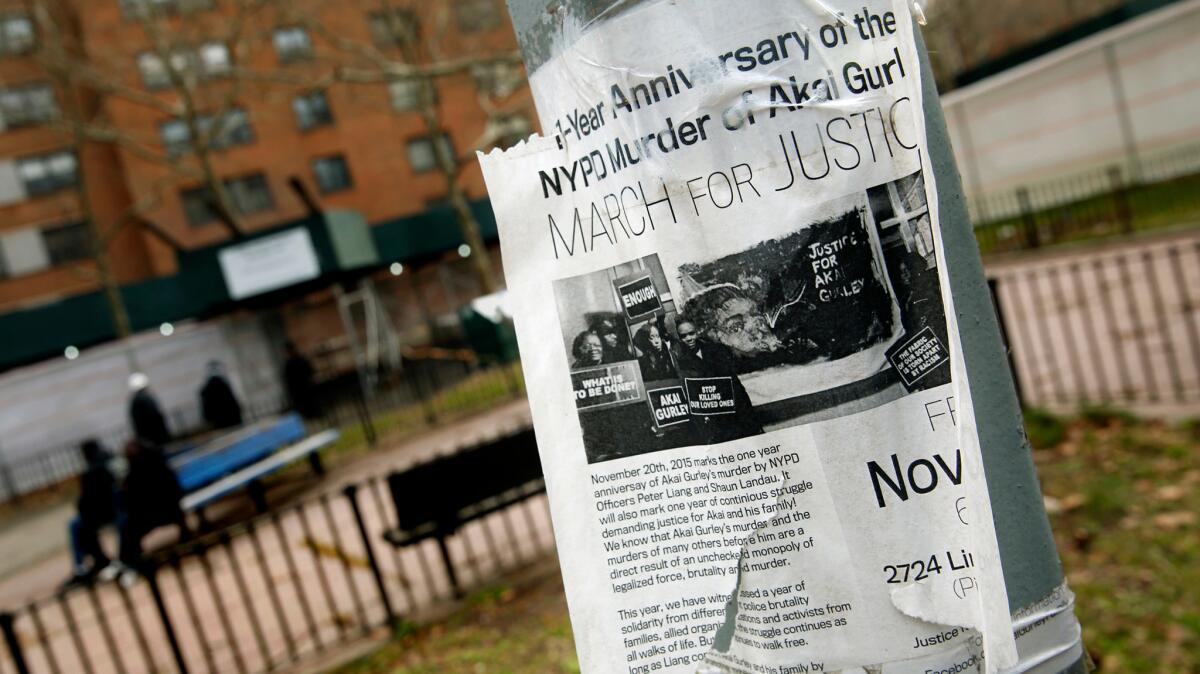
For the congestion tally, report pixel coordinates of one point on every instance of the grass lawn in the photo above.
(1123, 495)
(521, 629)
(1147, 207)
(479, 391)
(1124, 498)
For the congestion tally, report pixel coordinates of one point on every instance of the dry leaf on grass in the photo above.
(1171, 492)
(1175, 520)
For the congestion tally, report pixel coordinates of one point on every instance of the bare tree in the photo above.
(411, 43)
(89, 83)
(196, 65)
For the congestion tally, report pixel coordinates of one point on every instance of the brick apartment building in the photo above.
(361, 145)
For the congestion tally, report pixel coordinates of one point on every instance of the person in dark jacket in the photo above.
(149, 499)
(145, 415)
(218, 403)
(653, 354)
(298, 380)
(699, 358)
(96, 508)
(613, 334)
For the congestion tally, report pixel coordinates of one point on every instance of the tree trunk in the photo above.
(481, 261)
(122, 326)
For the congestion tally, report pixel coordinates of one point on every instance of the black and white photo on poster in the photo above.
(841, 314)
(900, 210)
(622, 334)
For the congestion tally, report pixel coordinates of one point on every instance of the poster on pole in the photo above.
(736, 211)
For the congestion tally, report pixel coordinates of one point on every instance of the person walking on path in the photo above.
(218, 404)
(145, 415)
(96, 508)
(150, 499)
(298, 380)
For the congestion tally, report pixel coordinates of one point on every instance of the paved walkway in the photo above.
(29, 539)
(36, 560)
(291, 586)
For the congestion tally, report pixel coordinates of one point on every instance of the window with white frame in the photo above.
(214, 59)
(247, 194)
(220, 130)
(292, 44)
(153, 70)
(498, 78)
(333, 174)
(68, 243)
(405, 94)
(47, 173)
(27, 104)
(508, 130)
(250, 194)
(30, 250)
(16, 33)
(422, 156)
(211, 59)
(312, 110)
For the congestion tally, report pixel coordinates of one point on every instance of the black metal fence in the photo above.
(270, 591)
(1112, 327)
(425, 391)
(1155, 192)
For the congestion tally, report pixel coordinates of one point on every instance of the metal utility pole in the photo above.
(1031, 565)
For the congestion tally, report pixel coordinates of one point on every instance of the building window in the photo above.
(395, 28)
(219, 131)
(214, 59)
(475, 16)
(153, 71)
(421, 154)
(508, 130)
(405, 94)
(30, 250)
(16, 34)
(248, 194)
(68, 243)
(312, 110)
(497, 79)
(210, 60)
(27, 104)
(140, 8)
(175, 136)
(333, 174)
(46, 173)
(292, 44)
(197, 205)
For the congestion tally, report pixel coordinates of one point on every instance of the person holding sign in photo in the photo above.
(720, 405)
(587, 350)
(653, 354)
(614, 336)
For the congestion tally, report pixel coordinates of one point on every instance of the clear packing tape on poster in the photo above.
(741, 352)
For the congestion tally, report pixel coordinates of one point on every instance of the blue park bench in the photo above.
(242, 458)
(239, 459)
